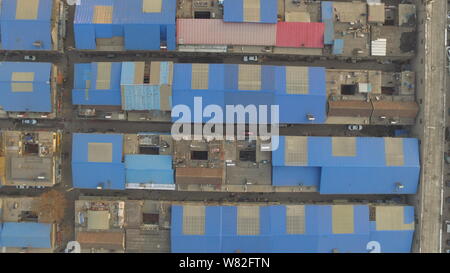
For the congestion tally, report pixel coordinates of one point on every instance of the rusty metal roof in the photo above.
(395, 109)
(211, 176)
(349, 108)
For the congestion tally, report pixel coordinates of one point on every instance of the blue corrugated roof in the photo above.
(155, 169)
(221, 232)
(21, 34)
(328, 19)
(364, 173)
(223, 90)
(93, 96)
(85, 174)
(234, 11)
(129, 21)
(38, 100)
(338, 46)
(34, 235)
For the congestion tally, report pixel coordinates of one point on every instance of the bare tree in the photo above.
(52, 205)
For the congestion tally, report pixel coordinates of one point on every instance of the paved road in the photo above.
(430, 202)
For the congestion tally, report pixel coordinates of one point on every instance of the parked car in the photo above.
(448, 183)
(448, 53)
(92, 130)
(447, 226)
(29, 121)
(355, 127)
(250, 58)
(447, 158)
(29, 58)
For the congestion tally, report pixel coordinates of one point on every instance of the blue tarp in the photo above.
(141, 31)
(20, 34)
(33, 235)
(38, 100)
(155, 169)
(364, 173)
(221, 232)
(108, 175)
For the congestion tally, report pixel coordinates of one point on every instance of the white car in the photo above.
(29, 58)
(355, 127)
(250, 58)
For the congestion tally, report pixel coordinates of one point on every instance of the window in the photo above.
(348, 89)
(199, 155)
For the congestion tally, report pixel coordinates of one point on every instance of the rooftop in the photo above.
(26, 24)
(348, 165)
(291, 228)
(97, 161)
(25, 87)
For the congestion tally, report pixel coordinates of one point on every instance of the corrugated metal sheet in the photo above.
(129, 19)
(349, 108)
(395, 109)
(363, 167)
(338, 46)
(210, 176)
(34, 235)
(155, 169)
(24, 22)
(90, 175)
(257, 11)
(25, 87)
(217, 32)
(103, 15)
(27, 9)
(323, 231)
(328, 20)
(150, 6)
(85, 94)
(376, 13)
(378, 47)
(299, 34)
(106, 240)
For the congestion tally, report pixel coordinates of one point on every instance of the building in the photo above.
(250, 228)
(348, 165)
(363, 29)
(30, 159)
(136, 91)
(30, 24)
(245, 26)
(116, 161)
(339, 29)
(28, 90)
(97, 161)
(21, 227)
(300, 88)
(99, 225)
(371, 97)
(114, 225)
(125, 25)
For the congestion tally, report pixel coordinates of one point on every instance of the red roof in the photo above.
(299, 34)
